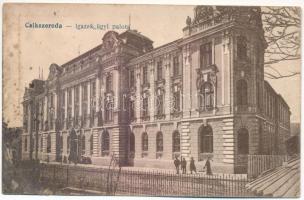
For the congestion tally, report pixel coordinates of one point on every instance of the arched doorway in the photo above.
(205, 138)
(242, 150)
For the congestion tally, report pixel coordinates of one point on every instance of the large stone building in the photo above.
(200, 96)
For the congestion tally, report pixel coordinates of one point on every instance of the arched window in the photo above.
(48, 146)
(25, 144)
(176, 142)
(206, 96)
(206, 139)
(132, 142)
(41, 143)
(83, 145)
(241, 89)
(145, 145)
(159, 145)
(105, 143)
(91, 144)
(243, 141)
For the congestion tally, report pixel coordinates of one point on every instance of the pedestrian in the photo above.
(184, 164)
(177, 164)
(208, 166)
(192, 165)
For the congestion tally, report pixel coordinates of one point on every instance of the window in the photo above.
(159, 70)
(241, 89)
(206, 96)
(91, 144)
(176, 141)
(105, 143)
(25, 144)
(206, 55)
(243, 141)
(68, 144)
(93, 89)
(145, 110)
(159, 145)
(132, 142)
(144, 146)
(48, 146)
(60, 144)
(41, 143)
(132, 78)
(145, 74)
(159, 142)
(160, 104)
(175, 66)
(83, 144)
(206, 139)
(242, 48)
(132, 110)
(176, 103)
(109, 83)
(109, 109)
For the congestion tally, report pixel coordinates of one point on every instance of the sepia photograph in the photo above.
(151, 100)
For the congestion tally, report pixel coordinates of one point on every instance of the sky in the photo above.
(28, 50)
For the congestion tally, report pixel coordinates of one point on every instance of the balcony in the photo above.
(145, 86)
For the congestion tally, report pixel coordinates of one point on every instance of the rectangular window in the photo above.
(145, 74)
(175, 66)
(206, 55)
(159, 70)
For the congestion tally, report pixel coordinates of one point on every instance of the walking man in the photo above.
(184, 164)
(192, 165)
(177, 164)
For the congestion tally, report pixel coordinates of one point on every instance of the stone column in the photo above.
(97, 100)
(167, 104)
(45, 115)
(65, 107)
(80, 101)
(89, 98)
(138, 94)
(73, 104)
(186, 82)
(185, 140)
(152, 91)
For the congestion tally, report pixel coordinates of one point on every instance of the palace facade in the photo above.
(203, 95)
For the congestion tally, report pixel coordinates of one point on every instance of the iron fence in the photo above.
(148, 183)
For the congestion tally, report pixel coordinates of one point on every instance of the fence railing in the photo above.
(257, 164)
(149, 183)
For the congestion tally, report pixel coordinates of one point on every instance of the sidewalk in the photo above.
(156, 171)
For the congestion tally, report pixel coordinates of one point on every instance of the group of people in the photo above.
(183, 165)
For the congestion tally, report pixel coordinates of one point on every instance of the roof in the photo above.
(283, 181)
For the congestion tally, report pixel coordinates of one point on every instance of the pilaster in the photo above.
(229, 141)
(185, 140)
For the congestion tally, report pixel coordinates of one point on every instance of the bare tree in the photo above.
(282, 33)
